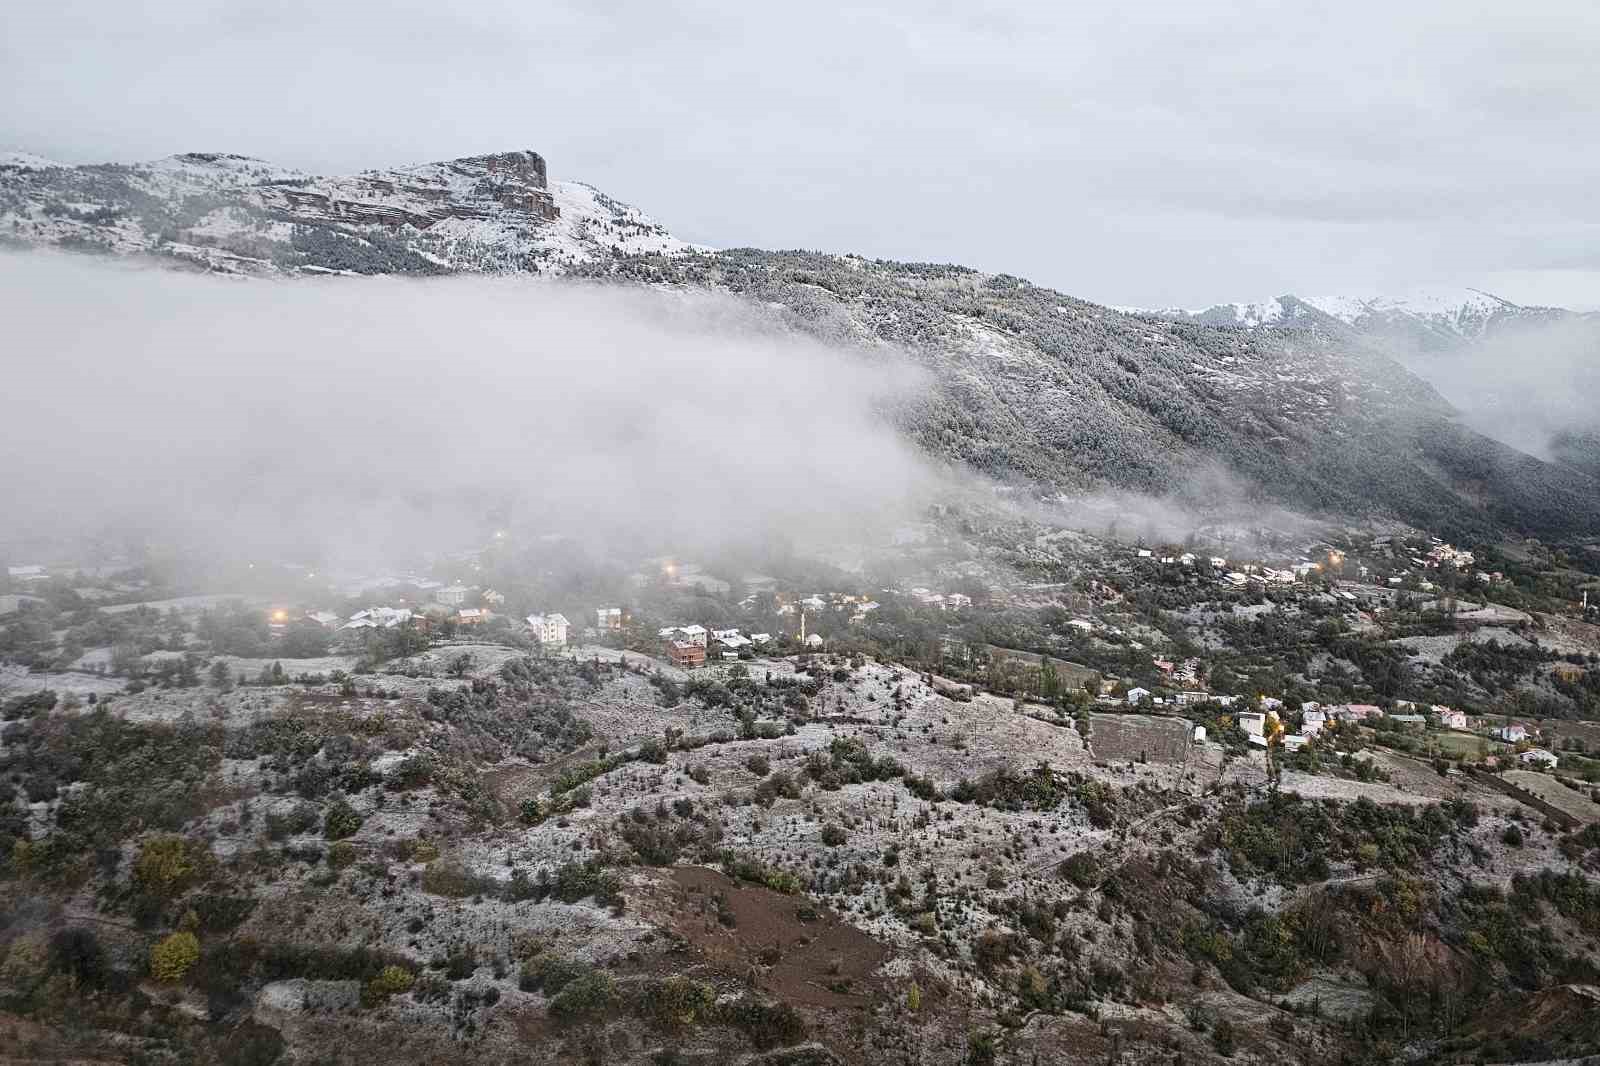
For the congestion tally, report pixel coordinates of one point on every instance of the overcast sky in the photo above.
(1173, 153)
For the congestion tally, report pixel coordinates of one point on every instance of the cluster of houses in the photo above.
(687, 646)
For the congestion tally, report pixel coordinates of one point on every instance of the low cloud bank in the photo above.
(364, 419)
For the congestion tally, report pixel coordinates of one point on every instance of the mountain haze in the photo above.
(1312, 413)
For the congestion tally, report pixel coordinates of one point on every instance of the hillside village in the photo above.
(998, 790)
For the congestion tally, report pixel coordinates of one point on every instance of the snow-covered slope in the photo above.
(1428, 318)
(234, 214)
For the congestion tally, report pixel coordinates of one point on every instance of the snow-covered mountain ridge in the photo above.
(1023, 382)
(234, 214)
(1426, 318)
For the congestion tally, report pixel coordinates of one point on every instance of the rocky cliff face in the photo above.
(234, 214)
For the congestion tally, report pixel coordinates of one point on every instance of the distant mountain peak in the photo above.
(1431, 315)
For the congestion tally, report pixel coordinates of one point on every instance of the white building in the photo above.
(1137, 695)
(1199, 734)
(958, 600)
(378, 618)
(689, 634)
(1512, 733)
(608, 619)
(26, 573)
(730, 638)
(1311, 722)
(452, 595)
(549, 629)
(814, 640)
(1253, 723)
(1450, 718)
(1538, 757)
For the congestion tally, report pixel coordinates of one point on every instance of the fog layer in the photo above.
(1524, 385)
(362, 419)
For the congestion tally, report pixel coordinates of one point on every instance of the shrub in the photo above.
(171, 958)
(1222, 1038)
(391, 981)
(834, 835)
(765, 1025)
(549, 975)
(1082, 869)
(301, 818)
(340, 821)
(167, 865)
(27, 962)
(443, 877)
(586, 996)
(759, 765)
(76, 952)
(341, 854)
(678, 1002)
(1512, 836)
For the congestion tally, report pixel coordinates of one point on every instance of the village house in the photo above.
(1254, 723)
(379, 618)
(1311, 722)
(472, 616)
(26, 573)
(494, 599)
(1189, 699)
(608, 619)
(326, 619)
(1137, 696)
(863, 609)
(686, 654)
(1538, 757)
(813, 640)
(1448, 718)
(1512, 734)
(689, 634)
(452, 595)
(549, 630)
(1355, 712)
(730, 638)
(958, 600)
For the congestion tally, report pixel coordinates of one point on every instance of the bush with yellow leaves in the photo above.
(391, 981)
(171, 959)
